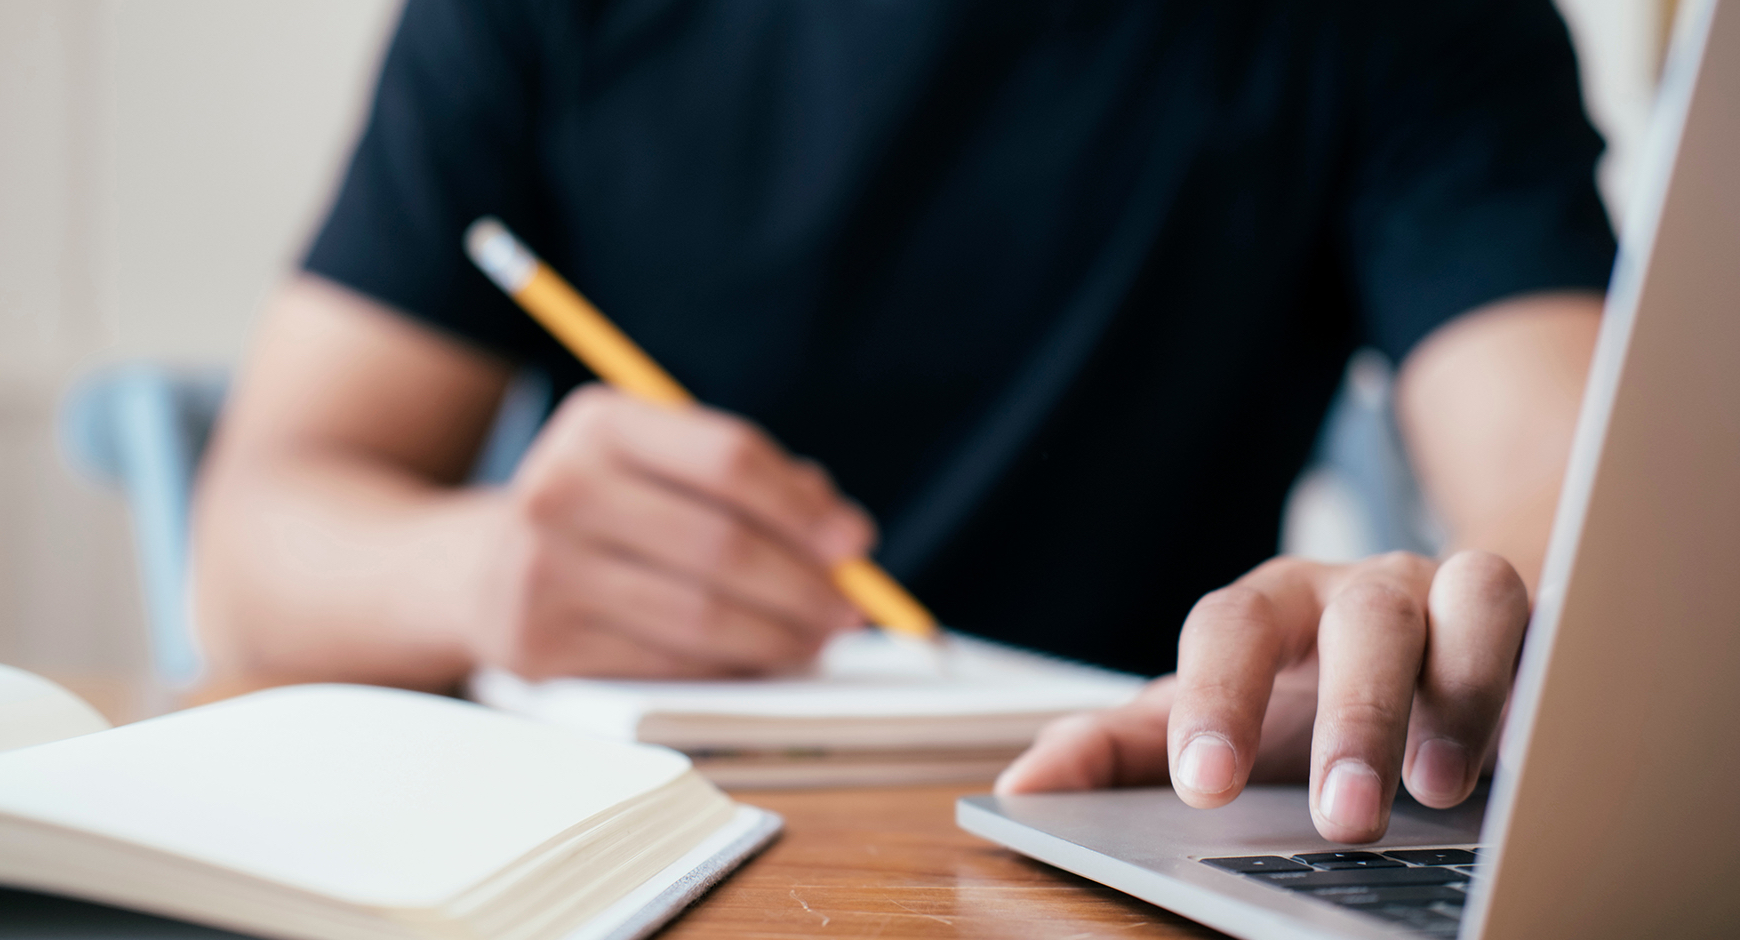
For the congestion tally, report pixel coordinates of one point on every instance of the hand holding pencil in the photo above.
(616, 359)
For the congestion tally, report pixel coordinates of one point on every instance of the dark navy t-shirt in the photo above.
(1059, 290)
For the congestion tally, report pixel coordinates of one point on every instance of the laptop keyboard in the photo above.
(1419, 888)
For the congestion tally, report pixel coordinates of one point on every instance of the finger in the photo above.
(1123, 746)
(708, 544)
(1232, 645)
(666, 626)
(1370, 645)
(686, 619)
(560, 633)
(587, 650)
(726, 459)
(1479, 610)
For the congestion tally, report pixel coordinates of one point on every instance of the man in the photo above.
(1059, 293)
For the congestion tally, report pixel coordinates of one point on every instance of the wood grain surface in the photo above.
(891, 863)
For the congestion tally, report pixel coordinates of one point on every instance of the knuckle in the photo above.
(1360, 713)
(1377, 600)
(1483, 579)
(548, 494)
(535, 499)
(1235, 614)
(591, 395)
(561, 470)
(1404, 565)
(734, 453)
(585, 416)
(864, 530)
(1285, 563)
(812, 480)
(1235, 605)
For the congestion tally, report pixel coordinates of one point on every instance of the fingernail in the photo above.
(1440, 769)
(1352, 796)
(1206, 764)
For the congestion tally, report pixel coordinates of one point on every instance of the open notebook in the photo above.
(877, 709)
(340, 812)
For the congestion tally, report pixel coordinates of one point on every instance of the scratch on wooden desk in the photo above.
(942, 920)
(826, 920)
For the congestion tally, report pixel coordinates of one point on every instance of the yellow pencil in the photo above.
(615, 358)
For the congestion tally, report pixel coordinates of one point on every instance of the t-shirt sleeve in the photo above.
(450, 138)
(1475, 171)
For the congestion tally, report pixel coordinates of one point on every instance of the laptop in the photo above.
(1615, 810)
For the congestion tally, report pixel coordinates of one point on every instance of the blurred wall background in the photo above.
(162, 163)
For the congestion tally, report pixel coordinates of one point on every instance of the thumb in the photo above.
(1122, 746)
(1071, 753)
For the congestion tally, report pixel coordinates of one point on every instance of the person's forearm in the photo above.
(1488, 405)
(327, 567)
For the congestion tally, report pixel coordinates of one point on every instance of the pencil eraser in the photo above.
(499, 254)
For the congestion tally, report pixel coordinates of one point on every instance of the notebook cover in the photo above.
(662, 897)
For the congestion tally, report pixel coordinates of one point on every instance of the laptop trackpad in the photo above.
(1151, 827)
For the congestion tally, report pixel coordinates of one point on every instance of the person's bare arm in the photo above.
(1488, 406)
(1359, 677)
(334, 538)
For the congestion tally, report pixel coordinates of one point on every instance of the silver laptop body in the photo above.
(1616, 808)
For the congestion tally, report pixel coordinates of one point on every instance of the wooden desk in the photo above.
(892, 863)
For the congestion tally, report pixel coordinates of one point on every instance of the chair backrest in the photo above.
(142, 427)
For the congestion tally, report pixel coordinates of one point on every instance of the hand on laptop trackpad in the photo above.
(1306, 671)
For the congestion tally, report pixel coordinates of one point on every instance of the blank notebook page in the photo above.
(380, 797)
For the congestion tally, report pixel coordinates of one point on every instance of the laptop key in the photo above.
(1410, 896)
(1433, 856)
(1339, 860)
(1362, 877)
(1256, 864)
